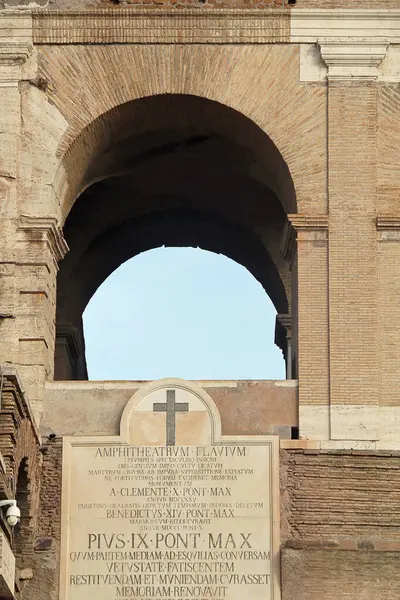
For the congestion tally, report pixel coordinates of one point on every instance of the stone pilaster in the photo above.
(15, 51)
(39, 246)
(30, 247)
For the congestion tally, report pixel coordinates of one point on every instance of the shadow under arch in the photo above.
(103, 148)
(169, 170)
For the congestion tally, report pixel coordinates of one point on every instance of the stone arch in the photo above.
(247, 79)
(175, 170)
(144, 118)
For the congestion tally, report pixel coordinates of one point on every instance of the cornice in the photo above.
(288, 243)
(388, 222)
(309, 222)
(200, 25)
(355, 58)
(353, 42)
(16, 44)
(45, 229)
(388, 228)
(161, 26)
(302, 227)
(14, 52)
(310, 25)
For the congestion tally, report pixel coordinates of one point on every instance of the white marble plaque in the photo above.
(170, 509)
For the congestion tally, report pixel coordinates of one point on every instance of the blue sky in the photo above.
(181, 312)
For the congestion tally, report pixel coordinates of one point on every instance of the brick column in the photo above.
(309, 260)
(352, 191)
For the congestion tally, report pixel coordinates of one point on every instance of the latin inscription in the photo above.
(153, 522)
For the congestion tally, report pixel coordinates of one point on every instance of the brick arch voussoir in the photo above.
(100, 132)
(260, 82)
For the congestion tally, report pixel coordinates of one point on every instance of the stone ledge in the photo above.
(346, 544)
(388, 228)
(310, 25)
(14, 52)
(45, 229)
(314, 447)
(388, 222)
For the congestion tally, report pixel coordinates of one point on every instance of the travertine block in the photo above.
(7, 569)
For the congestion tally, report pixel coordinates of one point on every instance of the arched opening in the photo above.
(171, 170)
(181, 312)
(22, 541)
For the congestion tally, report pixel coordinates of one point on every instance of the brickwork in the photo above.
(312, 318)
(388, 168)
(341, 496)
(388, 294)
(305, 112)
(20, 469)
(185, 25)
(70, 107)
(255, 70)
(333, 574)
(276, 116)
(388, 248)
(339, 525)
(353, 253)
(46, 556)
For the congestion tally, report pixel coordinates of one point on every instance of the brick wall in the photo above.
(352, 148)
(330, 574)
(340, 525)
(341, 495)
(19, 472)
(46, 555)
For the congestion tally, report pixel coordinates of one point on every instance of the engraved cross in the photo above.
(171, 408)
